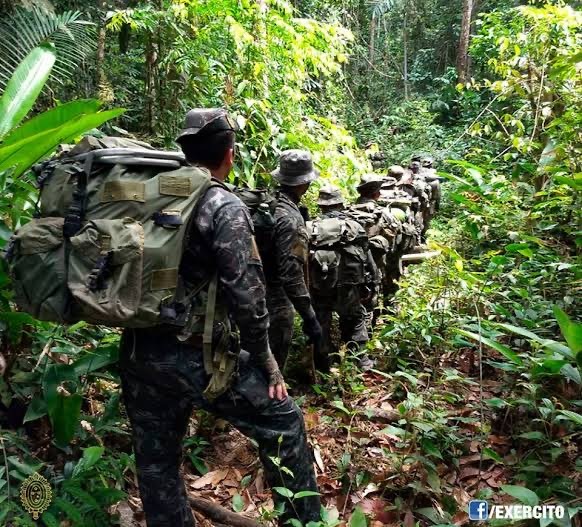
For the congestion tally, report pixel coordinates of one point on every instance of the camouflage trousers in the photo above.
(281, 319)
(346, 302)
(162, 383)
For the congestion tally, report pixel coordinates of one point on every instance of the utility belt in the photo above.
(212, 332)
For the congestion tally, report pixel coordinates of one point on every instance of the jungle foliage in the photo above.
(481, 353)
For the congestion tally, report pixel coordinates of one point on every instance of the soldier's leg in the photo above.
(281, 319)
(158, 408)
(323, 309)
(279, 429)
(352, 315)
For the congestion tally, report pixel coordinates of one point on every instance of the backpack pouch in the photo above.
(353, 264)
(105, 271)
(324, 271)
(38, 270)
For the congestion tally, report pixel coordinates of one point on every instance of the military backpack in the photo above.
(109, 235)
(338, 250)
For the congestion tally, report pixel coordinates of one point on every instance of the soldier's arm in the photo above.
(241, 275)
(292, 249)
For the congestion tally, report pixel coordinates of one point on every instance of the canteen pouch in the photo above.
(225, 358)
(324, 272)
(36, 261)
(105, 270)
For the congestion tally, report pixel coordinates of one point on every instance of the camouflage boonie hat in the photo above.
(330, 195)
(370, 183)
(396, 171)
(211, 120)
(295, 168)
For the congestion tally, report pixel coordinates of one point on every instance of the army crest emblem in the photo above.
(36, 495)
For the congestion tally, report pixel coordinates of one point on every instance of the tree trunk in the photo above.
(372, 40)
(101, 78)
(464, 39)
(261, 28)
(150, 85)
(405, 46)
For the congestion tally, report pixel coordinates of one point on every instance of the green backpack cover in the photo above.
(109, 237)
(337, 252)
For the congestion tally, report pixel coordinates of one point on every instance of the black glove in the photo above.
(312, 329)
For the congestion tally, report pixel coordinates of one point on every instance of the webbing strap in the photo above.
(209, 324)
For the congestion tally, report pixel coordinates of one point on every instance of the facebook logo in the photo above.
(478, 510)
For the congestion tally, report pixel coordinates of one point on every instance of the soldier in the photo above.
(284, 266)
(369, 188)
(432, 179)
(347, 296)
(165, 375)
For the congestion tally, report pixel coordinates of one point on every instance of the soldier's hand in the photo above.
(267, 362)
(278, 391)
(312, 329)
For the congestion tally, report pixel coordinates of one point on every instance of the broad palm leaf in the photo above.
(23, 30)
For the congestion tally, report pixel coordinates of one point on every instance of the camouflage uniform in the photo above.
(287, 290)
(163, 379)
(347, 300)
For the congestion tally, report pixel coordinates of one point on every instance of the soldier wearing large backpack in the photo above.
(131, 237)
(369, 188)
(343, 275)
(285, 264)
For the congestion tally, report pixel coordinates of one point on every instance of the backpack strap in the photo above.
(209, 324)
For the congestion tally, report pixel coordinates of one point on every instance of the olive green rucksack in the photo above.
(337, 253)
(109, 237)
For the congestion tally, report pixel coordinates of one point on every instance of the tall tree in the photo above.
(464, 39)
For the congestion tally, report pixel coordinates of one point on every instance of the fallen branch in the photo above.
(419, 257)
(219, 514)
(377, 414)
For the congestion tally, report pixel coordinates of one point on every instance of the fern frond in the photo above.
(23, 30)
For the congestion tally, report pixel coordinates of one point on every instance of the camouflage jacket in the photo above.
(221, 239)
(285, 269)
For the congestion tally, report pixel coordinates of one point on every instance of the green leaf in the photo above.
(572, 373)
(36, 409)
(430, 448)
(358, 518)
(491, 454)
(283, 491)
(24, 86)
(306, 494)
(245, 482)
(520, 331)
(50, 520)
(66, 417)
(572, 331)
(534, 435)
(91, 455)
(522, 494)
(52, 119)
(24, 153)
(238, 503)
(572, 416)
(501, 348)
(341, 406)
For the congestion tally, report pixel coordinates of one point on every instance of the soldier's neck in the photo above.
(291, 195)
